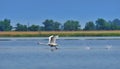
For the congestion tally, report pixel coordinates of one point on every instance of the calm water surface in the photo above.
(73, 53)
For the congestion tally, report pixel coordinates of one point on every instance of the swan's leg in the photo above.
(56, 47)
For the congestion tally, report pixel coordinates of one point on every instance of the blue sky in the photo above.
(36, 11)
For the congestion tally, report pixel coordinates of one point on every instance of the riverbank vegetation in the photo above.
(60, 33)
(100, 27)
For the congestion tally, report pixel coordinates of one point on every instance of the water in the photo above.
(25, 53)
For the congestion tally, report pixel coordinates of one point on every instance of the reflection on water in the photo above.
(80, 53)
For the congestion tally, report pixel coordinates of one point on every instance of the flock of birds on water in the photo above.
(52, 43)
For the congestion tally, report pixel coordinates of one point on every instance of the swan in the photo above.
(87, 48)
(51, 42)
(108, 47)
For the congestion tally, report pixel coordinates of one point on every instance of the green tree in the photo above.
(50, 25)
(115, 24)
(20, 27)
(5, 25)
(56, 26)
(89, 26)
(102, 24)
(71, 25)
(34, 28)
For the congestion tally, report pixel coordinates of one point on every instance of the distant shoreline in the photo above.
(60, 33)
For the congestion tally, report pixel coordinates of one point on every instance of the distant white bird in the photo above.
(108, 47)
(87, 48)
(51, 42)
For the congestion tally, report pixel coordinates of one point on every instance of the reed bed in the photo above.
(60, 33)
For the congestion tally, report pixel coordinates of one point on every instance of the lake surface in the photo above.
(72, 53)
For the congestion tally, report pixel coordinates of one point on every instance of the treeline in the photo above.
(69, 25)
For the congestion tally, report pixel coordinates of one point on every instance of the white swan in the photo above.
(87, 48)
(51, 42)
(108, 47)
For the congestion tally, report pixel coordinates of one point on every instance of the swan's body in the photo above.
(52, 41)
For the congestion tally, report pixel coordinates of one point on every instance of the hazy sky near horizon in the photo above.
(36, 11)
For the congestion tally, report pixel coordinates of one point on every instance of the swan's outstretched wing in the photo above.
(50, 39)
(54, 39)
